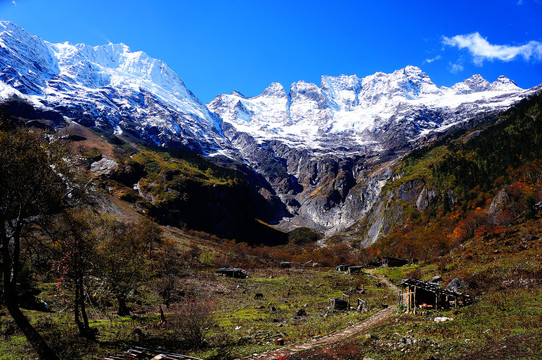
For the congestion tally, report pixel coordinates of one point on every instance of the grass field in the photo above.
(238, 323)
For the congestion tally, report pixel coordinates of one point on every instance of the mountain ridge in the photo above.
(353, 106)
(316, 149)
(107, 86)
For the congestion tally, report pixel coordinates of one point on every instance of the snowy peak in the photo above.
(275, 90)
(120, 67)
(108, 86)
(309, 92)
(411, 82)
(408, 84)
(238, 94)
(477, 83)
(358, 110)
(29, 55)
(504, 84)
(267, 110)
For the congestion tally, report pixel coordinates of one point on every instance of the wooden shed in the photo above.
(343, 267)
(389, 261)
(233, 272)
(355, 270)
(419, 294)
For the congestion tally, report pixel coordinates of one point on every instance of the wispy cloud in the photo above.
(429, 61)
(14, 3)
(482, 50)
(455, 68)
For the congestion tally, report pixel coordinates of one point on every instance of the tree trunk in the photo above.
(9, 268)
(33, 337)
(80, 312)
(123, 308)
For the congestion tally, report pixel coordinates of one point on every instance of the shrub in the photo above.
(190, 323)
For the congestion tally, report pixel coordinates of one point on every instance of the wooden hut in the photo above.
(422, 294)
(343, 267)
(354, 270)
(389, 261)
(233, 272)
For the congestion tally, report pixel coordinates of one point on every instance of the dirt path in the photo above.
(334, 337)
(385, 280)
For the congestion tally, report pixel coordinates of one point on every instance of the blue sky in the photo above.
(217, 46)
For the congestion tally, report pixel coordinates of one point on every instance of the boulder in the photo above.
(456, 285)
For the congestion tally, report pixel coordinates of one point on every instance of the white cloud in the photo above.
(455, 68)
(482, 50)
(429, 61)
(13, 2)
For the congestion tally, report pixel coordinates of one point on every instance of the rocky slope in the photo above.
(471, 183)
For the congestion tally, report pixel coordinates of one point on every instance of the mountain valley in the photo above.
(319, 156)
(143, 192)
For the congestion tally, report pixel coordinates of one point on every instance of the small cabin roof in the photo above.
(430, 287)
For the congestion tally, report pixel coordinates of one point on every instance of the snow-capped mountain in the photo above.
(318, 146)
(320, 152)
(107, 86)
(357, 111)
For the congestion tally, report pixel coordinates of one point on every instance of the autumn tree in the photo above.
(149, 232)
(33, 184)
(77, 245)
(123, 262)
(168, 270)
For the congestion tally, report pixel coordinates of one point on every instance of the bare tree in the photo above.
(149, 232)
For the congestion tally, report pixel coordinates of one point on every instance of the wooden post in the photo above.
(414, 303)
(436, 301)
(410, 298)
